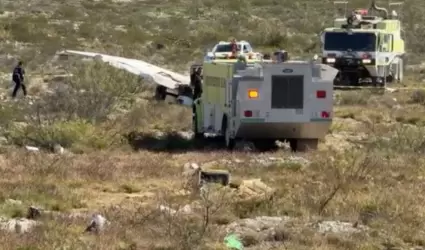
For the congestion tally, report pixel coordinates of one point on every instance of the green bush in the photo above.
(77, 135)
(76, 113)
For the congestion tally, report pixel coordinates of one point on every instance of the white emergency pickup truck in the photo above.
(264, 102)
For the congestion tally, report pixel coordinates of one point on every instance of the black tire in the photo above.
(263, 145)
(303, 145)
(160, 93)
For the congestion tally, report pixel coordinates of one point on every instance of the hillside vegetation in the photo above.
(125, 153)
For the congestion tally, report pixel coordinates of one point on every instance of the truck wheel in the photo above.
(302, 145)
(195, 130)
(228, 141)
(265, 144)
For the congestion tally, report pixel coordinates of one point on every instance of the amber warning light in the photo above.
(252, 93)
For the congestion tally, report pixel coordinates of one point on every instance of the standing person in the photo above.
(197, 83)
(18, 78)
(234, 45)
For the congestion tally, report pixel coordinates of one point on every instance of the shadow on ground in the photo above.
(173, 142)
(183, 142)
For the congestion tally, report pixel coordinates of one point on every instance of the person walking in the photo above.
(18, 79)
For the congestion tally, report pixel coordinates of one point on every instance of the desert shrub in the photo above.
(354, 97)
(402, 139)
(92, 93)
(418, 96)
(29, 29)
(78, 134)
(76, 113)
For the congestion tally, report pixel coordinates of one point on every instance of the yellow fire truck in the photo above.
(262, 102)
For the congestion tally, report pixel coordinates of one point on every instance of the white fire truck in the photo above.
(263, 102)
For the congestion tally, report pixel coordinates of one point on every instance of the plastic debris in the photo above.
(233, 242)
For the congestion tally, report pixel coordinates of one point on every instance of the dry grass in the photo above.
(369, 170)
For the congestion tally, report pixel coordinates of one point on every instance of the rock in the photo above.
(21, 225)
(58, 149)
(3, 140)
(263, 227)
(190, 169)
(254, 189)
(339, 227)
(97, 224)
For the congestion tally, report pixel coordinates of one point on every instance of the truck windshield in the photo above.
(342, 41)
(225, 48)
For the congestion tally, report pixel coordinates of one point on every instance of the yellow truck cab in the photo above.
(264, 101)
(366, 49)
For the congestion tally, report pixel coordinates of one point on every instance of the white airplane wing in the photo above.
(161, 76)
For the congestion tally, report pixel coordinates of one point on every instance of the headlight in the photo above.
(330, 60)
(366, 61)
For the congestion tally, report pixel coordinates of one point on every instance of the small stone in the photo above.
(58, 149)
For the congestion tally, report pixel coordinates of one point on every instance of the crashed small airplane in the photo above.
(169, 82)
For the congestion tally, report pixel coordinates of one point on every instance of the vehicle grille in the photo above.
(287, 92)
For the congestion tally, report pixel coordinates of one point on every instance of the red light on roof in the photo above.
(362, 11)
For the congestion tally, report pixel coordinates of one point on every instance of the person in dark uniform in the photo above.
(18, 78)
(197, 84)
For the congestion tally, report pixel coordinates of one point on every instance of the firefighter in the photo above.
(197, 83)
(18, 79)
(234, 47)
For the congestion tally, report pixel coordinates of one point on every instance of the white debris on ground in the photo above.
(270, 161)
(186, 209)
(267, 227)
(264, 161)
(97, 223)
(339, 227)
(21, 225)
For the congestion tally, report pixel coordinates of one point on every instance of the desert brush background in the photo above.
(363, 188)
